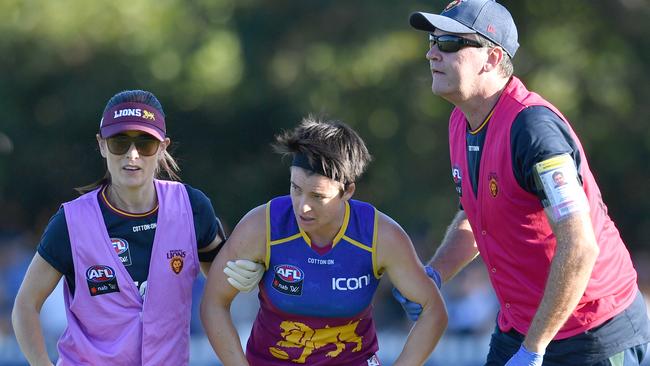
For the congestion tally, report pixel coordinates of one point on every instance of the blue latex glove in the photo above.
(413, 309)
(524, 357)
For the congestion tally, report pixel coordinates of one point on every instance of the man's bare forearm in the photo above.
(457, 250)
(574, 259)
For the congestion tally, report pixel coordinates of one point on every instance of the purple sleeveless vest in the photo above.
(109, 323)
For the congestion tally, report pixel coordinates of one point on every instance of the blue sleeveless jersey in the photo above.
(340, 283)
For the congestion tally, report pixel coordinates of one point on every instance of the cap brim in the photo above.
(109, 131)
(430, 22)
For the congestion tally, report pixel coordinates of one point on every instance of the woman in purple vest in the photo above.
(129, 248)
(324, 254)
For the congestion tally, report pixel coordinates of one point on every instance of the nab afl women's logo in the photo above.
(289, 273)
(101, 280)
(100, 273)
(458, 180)
(288, 279)
(120, 245)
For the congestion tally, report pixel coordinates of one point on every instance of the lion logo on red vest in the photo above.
(494, 184)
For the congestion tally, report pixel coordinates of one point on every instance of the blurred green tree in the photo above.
(231, 74)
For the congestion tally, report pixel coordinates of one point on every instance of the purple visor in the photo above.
(133, 116)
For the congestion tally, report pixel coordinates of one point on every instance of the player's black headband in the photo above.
(302, 161)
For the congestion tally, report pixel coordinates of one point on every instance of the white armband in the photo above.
(558, 177)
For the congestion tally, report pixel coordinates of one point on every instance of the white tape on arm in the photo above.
(558, 177)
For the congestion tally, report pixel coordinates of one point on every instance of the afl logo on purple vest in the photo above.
(121, 247)
(288, 279)
(101, 280)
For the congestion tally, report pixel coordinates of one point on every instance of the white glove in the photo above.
(243, 274)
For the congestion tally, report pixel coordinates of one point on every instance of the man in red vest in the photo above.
(561, 272)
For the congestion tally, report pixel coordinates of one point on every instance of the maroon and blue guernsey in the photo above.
(315, 309)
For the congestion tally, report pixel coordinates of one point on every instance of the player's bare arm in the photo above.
(457, 250)
(248, 241)
(397, 257)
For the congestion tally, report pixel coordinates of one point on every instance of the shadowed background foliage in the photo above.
(231, 74)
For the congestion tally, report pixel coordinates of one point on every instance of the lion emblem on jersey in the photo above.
(177, 264)
(494, 184)
(300, 335)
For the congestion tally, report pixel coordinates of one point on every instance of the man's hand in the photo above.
(243, 274)
(524, 357)
(411, 308)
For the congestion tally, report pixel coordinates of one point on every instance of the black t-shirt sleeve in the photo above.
(536, 135)
(206, 223)
(55, 247)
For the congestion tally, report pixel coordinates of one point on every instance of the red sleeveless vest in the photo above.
(514, 236)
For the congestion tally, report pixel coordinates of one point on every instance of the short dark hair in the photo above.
(332, 145)
(168, 164)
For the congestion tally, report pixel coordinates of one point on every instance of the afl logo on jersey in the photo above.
(458, 180)
(288, 279)
(101, 280)
(121, 247)
(289, 273)
(100, 273)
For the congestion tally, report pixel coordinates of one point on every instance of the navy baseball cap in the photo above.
(485, 17)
